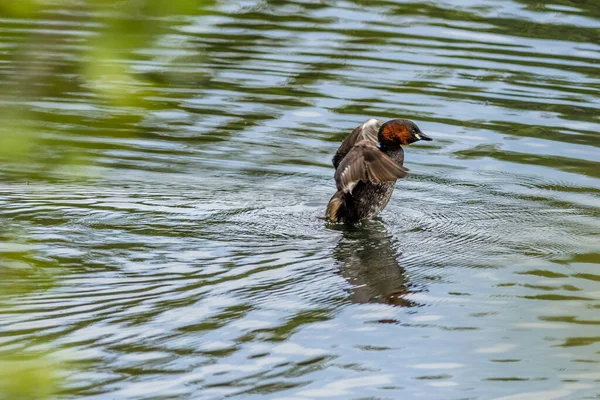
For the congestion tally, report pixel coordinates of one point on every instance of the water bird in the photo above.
(367, 165)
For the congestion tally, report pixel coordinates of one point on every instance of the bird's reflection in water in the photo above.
(368, 254)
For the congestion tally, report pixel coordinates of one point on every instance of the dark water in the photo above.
(171, 247)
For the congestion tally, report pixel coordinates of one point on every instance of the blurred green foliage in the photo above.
(98, 40)
(27, 377)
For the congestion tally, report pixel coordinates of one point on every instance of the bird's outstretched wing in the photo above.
(366, 131)
(366, 163)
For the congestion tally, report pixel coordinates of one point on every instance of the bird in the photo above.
(367, 165)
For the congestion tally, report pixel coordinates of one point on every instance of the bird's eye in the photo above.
(414, 131)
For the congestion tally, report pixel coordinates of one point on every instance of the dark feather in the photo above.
(366, 163)
(366, 131)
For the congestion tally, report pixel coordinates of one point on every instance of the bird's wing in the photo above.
(366, 131)
(365, 162)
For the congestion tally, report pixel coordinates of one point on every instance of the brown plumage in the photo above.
(368, 163)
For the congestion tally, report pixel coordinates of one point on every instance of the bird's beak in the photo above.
(422, 136)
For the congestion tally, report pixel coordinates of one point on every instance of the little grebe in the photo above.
(367, 165)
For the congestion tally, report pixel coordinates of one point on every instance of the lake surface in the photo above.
(171, 246)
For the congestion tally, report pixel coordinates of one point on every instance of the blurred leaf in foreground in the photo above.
(66, 70)
(71, 65)
(32, 377)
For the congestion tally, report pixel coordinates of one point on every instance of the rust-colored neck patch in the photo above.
(394, 134)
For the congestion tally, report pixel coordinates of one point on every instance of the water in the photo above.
(171, 247)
